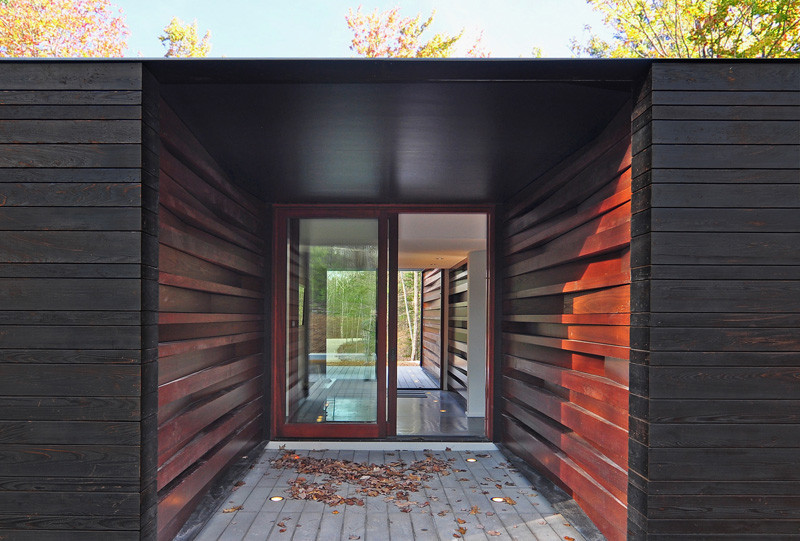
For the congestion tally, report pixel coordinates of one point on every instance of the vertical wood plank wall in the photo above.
(432, 328)
(457, 316)
(715, 360)
(565, 329)
(211, 305)
(76, 248)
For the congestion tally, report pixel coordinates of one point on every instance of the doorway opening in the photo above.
(381, 323)
(443, 257)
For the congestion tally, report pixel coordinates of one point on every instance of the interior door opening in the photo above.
(442, 289)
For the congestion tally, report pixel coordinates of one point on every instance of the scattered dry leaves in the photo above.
(395, 480)
(474, 510)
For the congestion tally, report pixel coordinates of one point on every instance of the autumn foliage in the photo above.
(697, 29)
(182, 40)
(388, 34)
(61, 28)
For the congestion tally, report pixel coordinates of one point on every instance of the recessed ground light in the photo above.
(498, 499)
(276, 499)
(472, 460)
(443, 411)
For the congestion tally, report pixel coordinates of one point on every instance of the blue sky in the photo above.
(317, 29)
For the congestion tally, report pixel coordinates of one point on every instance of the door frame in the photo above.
(387, 214)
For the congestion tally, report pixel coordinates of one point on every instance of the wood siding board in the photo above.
(717, 331)
(566, 305)
(211, 306)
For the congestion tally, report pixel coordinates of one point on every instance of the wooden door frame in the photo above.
(386, 408)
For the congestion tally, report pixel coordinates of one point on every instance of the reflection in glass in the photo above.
(332, 321)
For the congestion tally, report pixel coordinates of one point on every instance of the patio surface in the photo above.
(445, 504)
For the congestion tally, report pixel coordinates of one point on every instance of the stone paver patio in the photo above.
(459, 500)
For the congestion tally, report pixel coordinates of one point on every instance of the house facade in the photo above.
(643, 233)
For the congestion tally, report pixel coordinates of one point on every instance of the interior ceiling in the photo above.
(428, 241)
(397, 132)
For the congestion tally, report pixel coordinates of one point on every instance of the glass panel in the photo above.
(332, 321)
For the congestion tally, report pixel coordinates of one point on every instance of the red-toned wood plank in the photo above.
(589, 425)
(179, 141)
(571, 345)
(202, 379)
(176, 299)
(590, 385)
(206, 440)
(607, 512)
(615, 194)
(184, 264)
(191, 360)
(181, 236)
(176, 506)
(175, 348)
(175, 432)
(182, 203)
(176, 280)
(176, 318)
(612, 476)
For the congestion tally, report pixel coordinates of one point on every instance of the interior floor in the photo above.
(415, 377)
(434, 413)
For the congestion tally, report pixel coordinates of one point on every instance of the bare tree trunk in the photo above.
(405, 304)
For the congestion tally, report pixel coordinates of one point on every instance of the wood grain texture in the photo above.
(211, 304)
(73, 334)
(716, 308)
(566, 305)
(433, 325)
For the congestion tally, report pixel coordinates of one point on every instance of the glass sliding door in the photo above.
(333, 380)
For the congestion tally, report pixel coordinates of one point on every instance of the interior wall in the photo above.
(212, 260)
(715, 359)
(565, 325)
(457, 328)
(432, 321)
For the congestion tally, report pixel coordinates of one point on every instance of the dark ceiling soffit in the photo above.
(255, 71)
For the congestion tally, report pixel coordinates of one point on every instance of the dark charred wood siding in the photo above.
(211, 323)
(715, 359)
(432, 314)
(457, 321)
(77, 338)
(565, 329)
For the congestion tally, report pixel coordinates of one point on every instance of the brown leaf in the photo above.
(462, 530)
(509, 500)
(282, 530)
(335, 512)
(493, 533)
(233, 509)
(354, 537)
(442, 513)
(568, 538)
(475, 510)
(281, 525)
(238, 484)
(461, 521)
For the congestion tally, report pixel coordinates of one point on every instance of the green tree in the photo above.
(388, 34)
(696, 29)
(61, 28)
(181, 39)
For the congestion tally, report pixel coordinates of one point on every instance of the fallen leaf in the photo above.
(509, 500)
(462, 530)
(461, 521)
(493, 533)
(281, 525)
(335, 512)
(354, 537)
(568, 538)
(442, 513)
(233, 509)
(282, 530)
(475, 510)
(567, 524)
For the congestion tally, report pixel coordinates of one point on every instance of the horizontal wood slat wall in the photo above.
(77, 252)
(566, 315)
(457, 316)
(715, 360)
(432, 328)
(211, 306)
